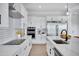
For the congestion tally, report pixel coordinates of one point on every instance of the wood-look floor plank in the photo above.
(38, 50)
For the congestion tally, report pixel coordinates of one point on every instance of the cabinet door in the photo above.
(4, 15)
(50, 48)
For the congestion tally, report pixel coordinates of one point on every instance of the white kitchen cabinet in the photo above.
(29, 46)
(17, 53)
(57, 18)
(50, 47)
(24, 48)
(43, 37)
(4, 15)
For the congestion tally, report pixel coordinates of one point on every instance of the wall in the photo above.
(75, 24)
(4, 28)
(7, 33)
(40, 23)
(37, 21)
(4, 14)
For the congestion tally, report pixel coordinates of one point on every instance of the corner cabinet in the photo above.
(4, 15)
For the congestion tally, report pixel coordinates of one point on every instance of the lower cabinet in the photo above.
(18, 52)
(50, 47)
(24, 49)
(52, 50)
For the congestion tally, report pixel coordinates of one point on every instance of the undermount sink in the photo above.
(60, 42)
(15, 42)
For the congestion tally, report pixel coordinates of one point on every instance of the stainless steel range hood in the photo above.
(13, 12)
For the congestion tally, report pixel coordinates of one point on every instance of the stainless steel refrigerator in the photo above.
(54, 29)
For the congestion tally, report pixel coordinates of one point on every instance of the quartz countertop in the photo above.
(9, 50)
(71, 49)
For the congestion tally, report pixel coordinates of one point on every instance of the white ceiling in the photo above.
(44, 6)
(48, 8)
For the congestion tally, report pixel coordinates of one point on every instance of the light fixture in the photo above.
(40, 6)
(67, 12)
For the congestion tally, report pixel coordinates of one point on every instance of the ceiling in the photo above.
(48, 8)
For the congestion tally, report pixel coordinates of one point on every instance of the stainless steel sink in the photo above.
(60, 42)
(15, 42)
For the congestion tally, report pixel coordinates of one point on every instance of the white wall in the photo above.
(75, 24)
(7, 33)
(4, 14)
(37, 21)
(4, 26)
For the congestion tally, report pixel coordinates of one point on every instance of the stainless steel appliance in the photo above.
(31, 31)
(55, 28)
(52, 29)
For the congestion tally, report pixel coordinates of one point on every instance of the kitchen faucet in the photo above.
(66, 34)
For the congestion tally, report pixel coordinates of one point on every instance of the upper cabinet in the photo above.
(4, 15)
(57, 19)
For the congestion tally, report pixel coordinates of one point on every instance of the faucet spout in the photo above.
(65, 32)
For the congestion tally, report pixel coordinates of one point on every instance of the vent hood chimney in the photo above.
(13, 13)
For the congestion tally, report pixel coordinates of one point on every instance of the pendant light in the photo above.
(67, 13)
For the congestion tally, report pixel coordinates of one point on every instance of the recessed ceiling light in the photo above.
(40, 6)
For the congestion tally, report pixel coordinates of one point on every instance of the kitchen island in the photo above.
(70, 49)
(9, 50)
(12, 49)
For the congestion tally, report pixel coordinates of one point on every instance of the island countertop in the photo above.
(10, 50)
(71, 49)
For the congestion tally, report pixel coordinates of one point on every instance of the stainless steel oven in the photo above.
(31, 31)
